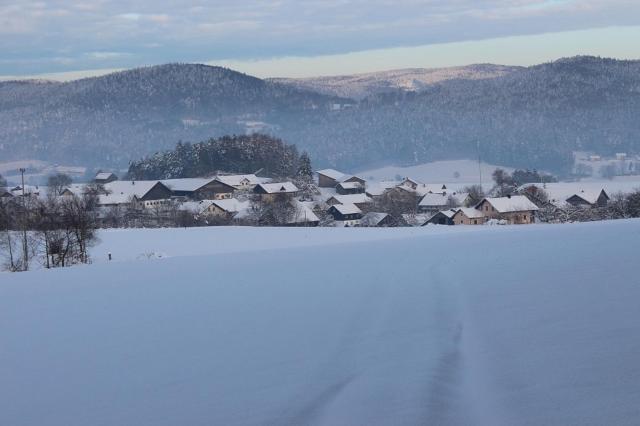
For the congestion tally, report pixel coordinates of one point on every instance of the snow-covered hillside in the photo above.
(521, 325)
(456, 173)
(359, 86)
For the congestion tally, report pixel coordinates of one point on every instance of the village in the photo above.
(328, 198)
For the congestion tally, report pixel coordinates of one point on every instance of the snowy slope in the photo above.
(439, 172)
(538, 327)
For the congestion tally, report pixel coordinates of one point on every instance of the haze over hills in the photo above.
(360, 86)
(525, 117)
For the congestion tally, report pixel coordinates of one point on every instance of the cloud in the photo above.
(193, 30)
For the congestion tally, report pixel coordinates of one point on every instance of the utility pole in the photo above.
(25, 249)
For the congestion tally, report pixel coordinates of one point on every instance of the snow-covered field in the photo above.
(530, 325)
(468, 173)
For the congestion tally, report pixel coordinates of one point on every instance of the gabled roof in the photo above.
(333, 174)
(350, 185)
(470, 212)
(515, 203)
(239, 180)
(121, 191)
(196, 206)
(231, 205)
(305, 214)
(352, 199)
(278, 188)
(373, 218)
(346, 208)
(104, 175)
(589, 196)
(186, 184)
(378, 188)
(441, 199)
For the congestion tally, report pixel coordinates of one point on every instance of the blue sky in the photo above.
(307, 37)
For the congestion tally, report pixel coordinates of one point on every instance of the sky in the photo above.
(65, 39)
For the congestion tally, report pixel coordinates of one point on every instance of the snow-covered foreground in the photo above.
(496, 326)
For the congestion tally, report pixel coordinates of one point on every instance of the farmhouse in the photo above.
(228, 208)
(104, 177)
(468, 216)
(589, 199)
(360, 200)
(137, 194)
(376, 219)
(346, 188)
(241, 182)
(270, 191)
(434, 202)
(444, 217)
(515, 210)
(347, 214)
(199, 188)
(329, 178)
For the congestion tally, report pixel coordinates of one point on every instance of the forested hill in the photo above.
(530, 117)
(122, 116)
(239, 154)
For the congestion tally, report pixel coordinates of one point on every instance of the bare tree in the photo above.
(58, 183)
(476, 194)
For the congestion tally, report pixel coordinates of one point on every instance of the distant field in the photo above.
(438, 172)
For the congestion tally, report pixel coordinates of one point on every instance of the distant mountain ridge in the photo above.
(522, 117)
(360, 86)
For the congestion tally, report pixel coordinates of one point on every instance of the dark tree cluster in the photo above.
(238, 154)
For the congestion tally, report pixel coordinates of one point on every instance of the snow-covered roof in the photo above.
(121, 191)
(241, 180)
(196, 206)
(350, 185)
(373, 218)
(448, 212)
(352, 199)
(186, 184)
(471, 213)
(590, 196)
(347, 208)
(440, 199)
(232, 205)
(333, 174)
(278, 187)
(515, 203)
(104, 175)
(375, 189)
(305, 214)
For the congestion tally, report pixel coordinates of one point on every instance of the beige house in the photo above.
(515, 210)
(468, 216)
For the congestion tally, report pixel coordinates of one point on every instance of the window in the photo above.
(475, 221)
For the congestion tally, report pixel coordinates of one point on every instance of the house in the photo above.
(270, 191)
(329, 178)
(304, 216)
(137, 194)
(377, 189)
(436, 201)
(5, 194)
(228, 208)
(29, 191)
(199, 188)
(468, 216)
(443, 217)
(196, 207)
(346, 188)
(410, 183)
(347, 214)
(516, 209)
(589, 199)
(105, 177)
(241, 182)
(360, 200)
(376, 219)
